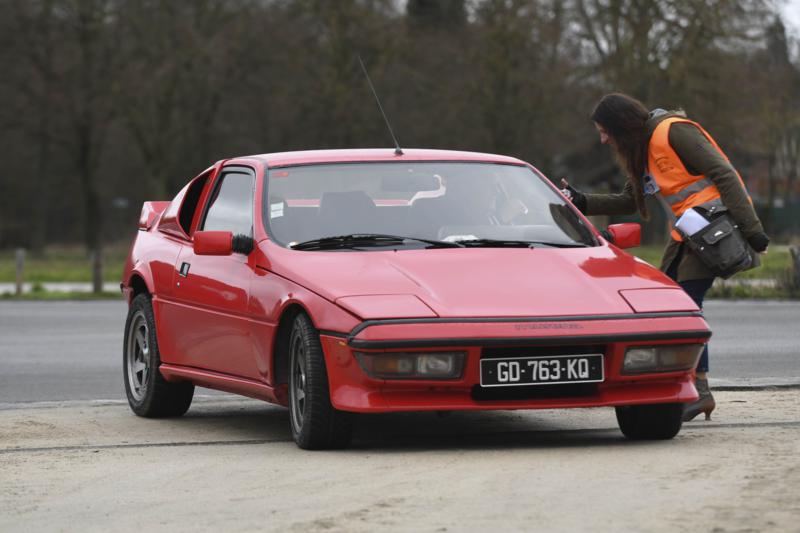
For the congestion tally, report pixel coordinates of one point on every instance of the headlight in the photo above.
(422, 365)
(666, 358)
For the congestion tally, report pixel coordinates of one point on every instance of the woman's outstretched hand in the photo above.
(575, 196)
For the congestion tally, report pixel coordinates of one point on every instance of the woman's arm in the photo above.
(611, 204)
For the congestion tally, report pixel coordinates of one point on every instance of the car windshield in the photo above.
(474, 204)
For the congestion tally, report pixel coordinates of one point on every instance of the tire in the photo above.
(149, 394)
(650, 422)
(315, 423)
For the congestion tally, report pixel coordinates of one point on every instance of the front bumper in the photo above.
(353, 390)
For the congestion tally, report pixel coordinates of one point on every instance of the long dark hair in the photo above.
(623, 118)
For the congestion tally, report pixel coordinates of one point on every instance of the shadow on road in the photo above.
(480, 430)
(416, 431)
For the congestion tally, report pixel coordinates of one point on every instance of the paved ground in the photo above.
(73, 350)
(230, 465)
(88, 463)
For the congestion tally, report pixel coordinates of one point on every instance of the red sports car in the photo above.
(363, 281)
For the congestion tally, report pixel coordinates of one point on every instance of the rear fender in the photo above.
(151, 211)
(129, 284)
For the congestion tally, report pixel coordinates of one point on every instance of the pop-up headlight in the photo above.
(412, 365)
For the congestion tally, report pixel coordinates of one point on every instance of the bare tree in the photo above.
(35, 81)
(175, 67)
(133, 97)
(87, 87)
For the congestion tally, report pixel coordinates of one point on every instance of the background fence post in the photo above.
(794, 251)
(20, 279)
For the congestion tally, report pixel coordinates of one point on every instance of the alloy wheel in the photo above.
(298, 381)
(138, 356)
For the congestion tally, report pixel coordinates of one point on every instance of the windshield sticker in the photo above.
(276, 210)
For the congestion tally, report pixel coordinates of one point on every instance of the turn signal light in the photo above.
(412, 365)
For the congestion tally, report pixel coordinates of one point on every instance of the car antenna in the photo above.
(397, 149)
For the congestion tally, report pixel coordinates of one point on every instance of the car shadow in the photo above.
(476, 430)
(239, 420)
(254, 421)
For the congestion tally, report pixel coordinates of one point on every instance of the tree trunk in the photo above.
(92, 216)
(97, 270)
(92, 229)
(769, 215)
(40, 202)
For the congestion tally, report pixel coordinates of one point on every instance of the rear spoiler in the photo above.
(151, 211)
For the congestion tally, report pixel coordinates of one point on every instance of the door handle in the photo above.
(184, 270)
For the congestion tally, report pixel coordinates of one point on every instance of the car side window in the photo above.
(230, 207)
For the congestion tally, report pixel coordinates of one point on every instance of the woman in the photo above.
(674, 159)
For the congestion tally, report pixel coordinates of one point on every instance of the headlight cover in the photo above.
(412, 365)
(664, 358)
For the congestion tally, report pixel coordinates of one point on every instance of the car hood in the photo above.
(472, 282)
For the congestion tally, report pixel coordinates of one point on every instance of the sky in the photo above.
(791, 15)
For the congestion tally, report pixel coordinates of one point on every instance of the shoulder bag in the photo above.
(720, 245)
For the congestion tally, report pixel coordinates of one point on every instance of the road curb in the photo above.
(754, 384)
(755, 387)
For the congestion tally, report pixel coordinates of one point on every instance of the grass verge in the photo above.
(63, 264)
(59, 295)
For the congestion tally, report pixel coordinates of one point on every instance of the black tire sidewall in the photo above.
(650, 422)
(323, 426)
(304, 330)
(161, 397)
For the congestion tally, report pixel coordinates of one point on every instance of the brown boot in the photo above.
(704, 404)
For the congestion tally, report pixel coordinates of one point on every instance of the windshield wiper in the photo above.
(510, 243)
(560, 244)
(358, 240)
(489, 243)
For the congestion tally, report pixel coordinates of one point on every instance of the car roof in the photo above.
(310, 157)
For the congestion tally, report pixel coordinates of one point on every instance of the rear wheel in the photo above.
(650, 422)
(315, 423)
(149, 394)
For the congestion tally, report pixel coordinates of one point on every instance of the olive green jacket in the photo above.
(699, 156)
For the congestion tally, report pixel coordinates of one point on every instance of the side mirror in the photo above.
(243, 244)
(627, 235)
(222, 243)
(213, 242)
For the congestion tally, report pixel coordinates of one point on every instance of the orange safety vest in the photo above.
(680, 189)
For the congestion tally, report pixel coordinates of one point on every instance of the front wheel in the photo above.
(316, 424)
(149, 394)
(650, 422)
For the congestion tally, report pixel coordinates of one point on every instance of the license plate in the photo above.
(585, 368)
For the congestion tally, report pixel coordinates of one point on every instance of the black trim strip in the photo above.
(568, 318)
(333, 333)
(531, 341)
(391, 161)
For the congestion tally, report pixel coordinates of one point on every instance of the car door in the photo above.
(212, 291)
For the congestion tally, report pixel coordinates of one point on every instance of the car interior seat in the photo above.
(342, 213)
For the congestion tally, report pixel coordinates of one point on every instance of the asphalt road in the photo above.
(58, 351)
